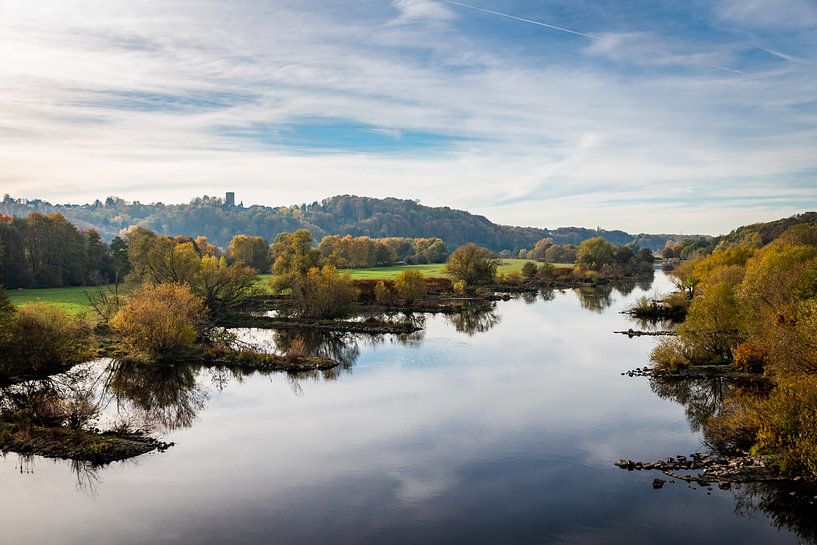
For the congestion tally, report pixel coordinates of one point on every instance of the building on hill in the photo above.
(230, 198)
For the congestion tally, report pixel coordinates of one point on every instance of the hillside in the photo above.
(343, 214)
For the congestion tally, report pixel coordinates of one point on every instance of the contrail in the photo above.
(554, 27)
(576, 32)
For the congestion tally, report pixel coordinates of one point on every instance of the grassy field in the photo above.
(74, 299)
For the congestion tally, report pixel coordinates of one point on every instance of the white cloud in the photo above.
(562, 141)
(770, 13)
(422, 10)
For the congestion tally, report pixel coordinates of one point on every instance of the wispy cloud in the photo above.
(533, 125)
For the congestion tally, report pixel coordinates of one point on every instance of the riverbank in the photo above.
(75, 444)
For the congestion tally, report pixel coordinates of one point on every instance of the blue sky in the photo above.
(645, 116)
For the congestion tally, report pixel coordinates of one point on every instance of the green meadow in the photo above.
(75, 299)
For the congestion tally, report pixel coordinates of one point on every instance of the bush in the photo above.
(749, 357)
(789, 425)
(670, 355)
(410, 285)
(382, 293)
(42, 338)
(529, 270)
(159, 319)
(323, 293)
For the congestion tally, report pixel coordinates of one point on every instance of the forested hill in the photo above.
(344, 214)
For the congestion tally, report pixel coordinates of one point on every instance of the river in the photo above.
(499, 428)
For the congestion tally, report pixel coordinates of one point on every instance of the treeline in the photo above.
(42, 251)
(49, 251)
(359, 252)
(756, 235)
(344, 214)
(594, 254)
(753, 305)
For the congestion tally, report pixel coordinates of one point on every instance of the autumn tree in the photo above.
(254, 252)
(473, 265)
(323, 293)
(160, 319)
(410, 285)
(292, 257)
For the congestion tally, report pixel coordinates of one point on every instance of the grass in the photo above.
(75, 301)
(72, 299)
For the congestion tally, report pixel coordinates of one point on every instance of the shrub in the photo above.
(44, 337)
(670, 355)
(159, 319)
(460, 287)
(410, 285)
(323, 293)
(382, 293)
(789, 424)
(546, 271)
(529, 270)
(749, 357)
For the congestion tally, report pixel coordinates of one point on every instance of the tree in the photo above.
(595, 253)
(323, 293)
(473, 265)
(253, 252)
(119, 258)
(292, 257)
(410, 285)
(684, 277)
(529, 270)
(159, 320)
(223, 287)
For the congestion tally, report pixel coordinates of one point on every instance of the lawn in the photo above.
(75, 301)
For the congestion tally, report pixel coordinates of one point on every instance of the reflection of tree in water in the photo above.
(343, 348)
(529, 297)
(596, 298)
(88, 478)
(474, 320)
(625, 286)
(547, 294)
(644, 283)
(166, 395)
(793, 512)
(703, 401)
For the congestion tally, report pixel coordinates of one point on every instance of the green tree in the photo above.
(595, 253)
(529, 270)
(473, 265)
(119, 257)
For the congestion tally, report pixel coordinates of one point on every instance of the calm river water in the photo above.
(499, 428)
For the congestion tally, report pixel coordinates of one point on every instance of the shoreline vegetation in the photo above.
(181, 297)
(747, 343)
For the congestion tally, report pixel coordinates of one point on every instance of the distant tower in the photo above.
(230, 200)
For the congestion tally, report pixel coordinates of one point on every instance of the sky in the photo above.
(648, 116)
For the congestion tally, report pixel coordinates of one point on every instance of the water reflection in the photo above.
(162, 397)
(704, 402)
(428, 440)
(474, 320)
(595, 298)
